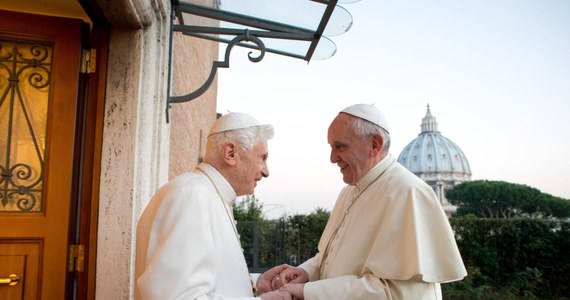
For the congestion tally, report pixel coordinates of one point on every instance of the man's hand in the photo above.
(264, 282)
(289, 275)
(276, 295)
(296, 290)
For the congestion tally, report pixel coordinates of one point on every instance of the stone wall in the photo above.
(191, 121)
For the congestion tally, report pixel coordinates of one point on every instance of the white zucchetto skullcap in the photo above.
(233, 121)
(369, 113)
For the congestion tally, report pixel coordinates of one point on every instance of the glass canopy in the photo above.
(294, 28)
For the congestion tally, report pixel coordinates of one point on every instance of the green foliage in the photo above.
(500, 199)
(248, 209)
(267, 243)
(262, 242)
(260, 239)
(303, 234)
(512, 259)
(553, 206)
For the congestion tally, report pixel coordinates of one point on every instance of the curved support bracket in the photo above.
(248, 30)
(245, 37)
(223, 64)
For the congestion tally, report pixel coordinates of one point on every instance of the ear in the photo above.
(376, 143)
(229, 153)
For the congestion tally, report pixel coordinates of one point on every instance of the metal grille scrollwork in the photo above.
(25, 71)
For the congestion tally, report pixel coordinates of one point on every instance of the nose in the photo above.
(265, 171)
(333, 157)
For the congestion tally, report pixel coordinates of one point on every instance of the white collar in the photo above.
(375, 172)
(219, 182)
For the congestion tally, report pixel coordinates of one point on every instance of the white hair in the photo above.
(245, 138)
(365, 128)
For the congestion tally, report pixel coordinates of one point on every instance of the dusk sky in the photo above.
(496, 74)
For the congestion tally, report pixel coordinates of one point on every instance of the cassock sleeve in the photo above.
(351, 287)
(345, 287)
(180, 264)
(311, 266)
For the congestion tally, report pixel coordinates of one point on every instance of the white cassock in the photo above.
(387, 238)
(186, 244)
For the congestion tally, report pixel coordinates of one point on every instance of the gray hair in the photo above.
(365, 128)
(246, 138)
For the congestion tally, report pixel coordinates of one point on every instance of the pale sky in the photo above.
(496, 74)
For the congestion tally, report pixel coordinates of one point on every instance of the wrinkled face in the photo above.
(349, 151)
(252, 167)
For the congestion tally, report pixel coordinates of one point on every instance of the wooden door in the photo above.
(39, 75)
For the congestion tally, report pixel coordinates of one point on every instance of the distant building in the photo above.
(437, 160)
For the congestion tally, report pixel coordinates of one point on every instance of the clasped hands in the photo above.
(283, 278)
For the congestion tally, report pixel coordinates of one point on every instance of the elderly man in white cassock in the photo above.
(387, 236)
(187, 241)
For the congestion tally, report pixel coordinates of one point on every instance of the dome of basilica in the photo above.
(436, 159)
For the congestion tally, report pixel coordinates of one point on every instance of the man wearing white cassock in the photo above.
(187, 241)
(387, 236)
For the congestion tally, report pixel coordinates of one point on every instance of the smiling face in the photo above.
(355, 155)
(251, 166)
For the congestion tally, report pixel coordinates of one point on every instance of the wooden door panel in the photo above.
(56, 71)
(21, 259)
(12, 269)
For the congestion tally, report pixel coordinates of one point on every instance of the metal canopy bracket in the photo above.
(273, 26)
(245, 37)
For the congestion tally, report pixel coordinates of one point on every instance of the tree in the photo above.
(303, 233)
(248, 209)
(500, 199)
(549, 205)
(260, 239)
(515, 258)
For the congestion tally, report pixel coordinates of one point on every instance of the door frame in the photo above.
(90, 127)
